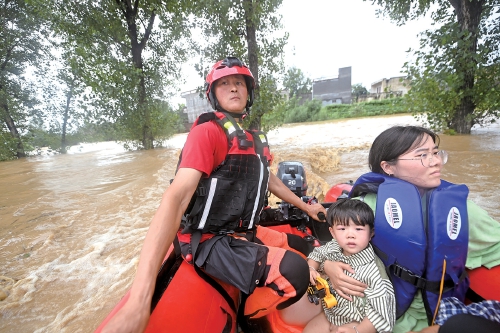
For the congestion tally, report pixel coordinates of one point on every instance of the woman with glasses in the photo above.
(426, 230)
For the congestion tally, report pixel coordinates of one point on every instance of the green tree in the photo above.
(21, 51)
(73, 88)
(65, 100)
(247, 29)
(131, 53)
(455, 75)
(296, 82)
(358, 90)
(182, 123)
(308, 111)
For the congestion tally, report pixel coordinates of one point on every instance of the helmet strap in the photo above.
(235, 115)
(232, 114)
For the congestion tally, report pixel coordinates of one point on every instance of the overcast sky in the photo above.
(328, 34)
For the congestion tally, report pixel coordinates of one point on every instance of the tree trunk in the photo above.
(142, 108)
(7, 117)
(253, 60)
(69, 96)
(130, 14)
(13, 130)
(468, 14)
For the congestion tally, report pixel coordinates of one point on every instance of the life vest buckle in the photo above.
(244, 224)
(201, 191)
(244, 144)
(225, 232)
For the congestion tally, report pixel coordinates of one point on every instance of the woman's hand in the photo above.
(344, 285)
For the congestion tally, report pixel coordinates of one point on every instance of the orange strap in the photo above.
(440, 292)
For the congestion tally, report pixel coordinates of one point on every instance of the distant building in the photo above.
(398, 86)
(387, 88)
(335, 90)
(195, 105)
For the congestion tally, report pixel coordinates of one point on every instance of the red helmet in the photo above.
(226, 67)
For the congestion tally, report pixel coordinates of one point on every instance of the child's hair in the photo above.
(345, 210)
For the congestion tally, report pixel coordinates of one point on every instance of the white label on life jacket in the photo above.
(393, 213)
(454, 223)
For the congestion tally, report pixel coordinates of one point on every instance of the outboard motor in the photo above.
(293, 175)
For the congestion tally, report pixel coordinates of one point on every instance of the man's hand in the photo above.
(280, 190)
(130, 319)
(315, 209)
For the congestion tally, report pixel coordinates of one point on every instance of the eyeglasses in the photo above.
(426, 158)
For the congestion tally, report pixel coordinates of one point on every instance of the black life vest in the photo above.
(232, 197)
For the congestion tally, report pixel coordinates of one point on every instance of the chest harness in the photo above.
(422, 241)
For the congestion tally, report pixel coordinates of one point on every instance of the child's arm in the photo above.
(380, 304)
(313, 270)
(364, 327)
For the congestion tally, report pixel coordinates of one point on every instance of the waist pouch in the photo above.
(238, 262)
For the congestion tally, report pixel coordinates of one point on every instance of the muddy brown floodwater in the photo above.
(72, 226)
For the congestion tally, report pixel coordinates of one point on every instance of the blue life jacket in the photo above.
(415, 235)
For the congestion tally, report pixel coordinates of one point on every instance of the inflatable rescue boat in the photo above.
(183, 301)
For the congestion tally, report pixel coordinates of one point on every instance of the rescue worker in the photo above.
(218, 192)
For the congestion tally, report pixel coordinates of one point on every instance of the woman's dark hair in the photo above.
(396, 141)
(345, 210)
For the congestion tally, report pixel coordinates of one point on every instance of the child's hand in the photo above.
(312, 276)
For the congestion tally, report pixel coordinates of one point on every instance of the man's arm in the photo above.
(280, 190)
(134, 315)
